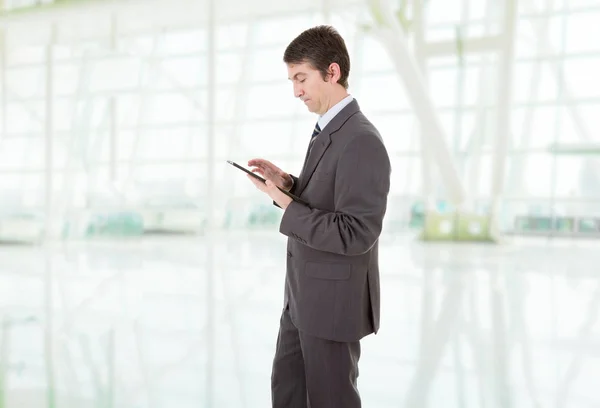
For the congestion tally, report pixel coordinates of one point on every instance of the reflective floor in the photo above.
(132, 324)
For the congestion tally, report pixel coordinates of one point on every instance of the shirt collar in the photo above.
(334, 110)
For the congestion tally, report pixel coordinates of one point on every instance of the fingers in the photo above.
(269, 187)
(272, 191)
(259, 184)
(281, 199)
(259, 163)
(263, 164)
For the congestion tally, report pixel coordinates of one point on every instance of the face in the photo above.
(311, 88)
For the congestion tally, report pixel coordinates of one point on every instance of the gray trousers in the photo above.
(309, 372)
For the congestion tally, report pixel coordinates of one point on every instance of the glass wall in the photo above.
(115, 106)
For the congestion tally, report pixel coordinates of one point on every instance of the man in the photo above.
(331, 296)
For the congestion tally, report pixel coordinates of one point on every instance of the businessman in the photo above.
(331, 297)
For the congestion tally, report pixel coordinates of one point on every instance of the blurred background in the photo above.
(138, 269)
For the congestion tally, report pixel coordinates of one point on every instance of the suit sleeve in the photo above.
(294, 184)
(362, 184)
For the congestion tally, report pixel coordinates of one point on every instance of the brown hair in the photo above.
(320, 46)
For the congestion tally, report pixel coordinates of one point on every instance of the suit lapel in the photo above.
(322, 142)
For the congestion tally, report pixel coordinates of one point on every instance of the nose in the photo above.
(298, 91)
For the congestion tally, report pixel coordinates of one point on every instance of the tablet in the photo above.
(256, 176)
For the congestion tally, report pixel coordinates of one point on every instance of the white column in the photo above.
(426, 159)
(49, 355)
(209, 200)
(111, 366)
(4, 360)
(112, 105)
(392, 36)
(479, 136)
(113, 139)
(48, 340)
(48, 131)
(505, 76)
(3, 83)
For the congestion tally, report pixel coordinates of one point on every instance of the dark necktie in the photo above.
(310, 145)
(314, 136)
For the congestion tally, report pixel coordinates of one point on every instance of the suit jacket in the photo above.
(332, 279)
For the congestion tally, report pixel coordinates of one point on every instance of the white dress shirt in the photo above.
(334, 110)
(330, 114)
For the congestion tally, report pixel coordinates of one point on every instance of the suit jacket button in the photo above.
(289, 253)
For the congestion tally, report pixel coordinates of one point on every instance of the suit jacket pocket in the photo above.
(329, 271)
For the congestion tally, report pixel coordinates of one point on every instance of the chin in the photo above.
(311, 108)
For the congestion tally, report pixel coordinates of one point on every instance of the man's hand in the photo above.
(271, 172)
(271, 189)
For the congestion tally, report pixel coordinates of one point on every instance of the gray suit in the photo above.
(332, 283)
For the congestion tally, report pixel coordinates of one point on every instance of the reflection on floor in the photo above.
(132, 324)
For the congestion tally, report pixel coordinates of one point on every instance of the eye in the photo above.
(302, 81)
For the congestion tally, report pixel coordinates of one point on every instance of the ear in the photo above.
(334, 72)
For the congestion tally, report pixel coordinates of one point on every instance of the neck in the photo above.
(335, 99)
